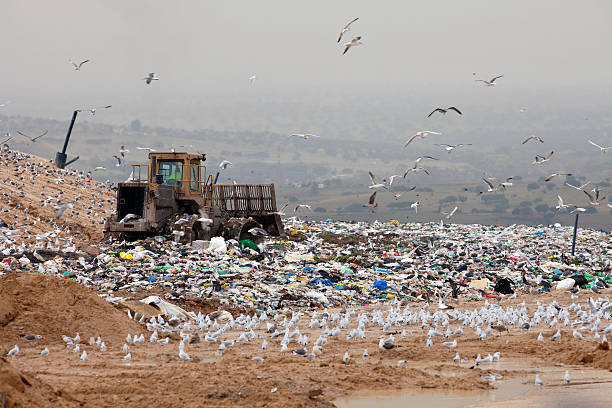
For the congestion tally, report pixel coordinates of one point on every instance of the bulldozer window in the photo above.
(193, 181)
(172, 172)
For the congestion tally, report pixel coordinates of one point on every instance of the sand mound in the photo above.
(599, 357)
(51, 306)
(33, 187)
(20, 390)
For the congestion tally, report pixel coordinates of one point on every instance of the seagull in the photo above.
(594, 200)
(541, 159)
(100, 168)
(561, 173)
(532, 137)
(375, 184)
(421, 135)
(346, 29)
(386, 344)
(415, 205)
(416, 168)
(95, 108)
(84, 355)
(127, 357)
(45, 352)
(420, 159)
(566, 377)
(371, 202)
(148, 149)
(252, 79)
(78, 66)
(393, 177)
(346, 358)
(561, 205)
(33, 139)
(450, 148)
(297, 207)
(491, 82)
(450, 344)
(491, 187)
(538, 381)
(450, 214)
(577, 209)
(603, 149)
(443, 111)
(304, 136)
(507, 183)
(354, 42)
(578, 188)
(225, 164)
(118, 161)
(14, 351)
(365, 354)
(150, 77)
(123, 150)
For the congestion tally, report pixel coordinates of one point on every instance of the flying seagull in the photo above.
(421, 135)
(94, 109)
(375, 183)
(252, 79)
(77, 66)
(123, 150)
(118, 160)
(415, 205)
(150, 77)
(371, 202)
(443, 111)
(416, 168)
(450, 148)
(304, 136)
(346, 29)
(33, 139)
(532, 137)
(354, 42)
(561, 173)
(450, 214)
(578, 188)
(541, 159)
(149, 149)
(594, 200)
(225, 164)
(603, 149)
(297, 207)
(491, 187)
(561, 205)
(420, 159)
(491, 82)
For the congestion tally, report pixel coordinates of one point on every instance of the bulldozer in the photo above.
(175, 195)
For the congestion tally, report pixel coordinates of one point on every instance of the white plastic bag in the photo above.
(217, 244)
(566, 284)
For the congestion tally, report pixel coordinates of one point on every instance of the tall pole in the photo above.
(575, 232)
(60, 157)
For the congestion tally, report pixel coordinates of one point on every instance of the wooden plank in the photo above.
(235, 195)
(261, 199)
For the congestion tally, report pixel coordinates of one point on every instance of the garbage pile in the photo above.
(331, 264)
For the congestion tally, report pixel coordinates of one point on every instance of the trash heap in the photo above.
(331, 264)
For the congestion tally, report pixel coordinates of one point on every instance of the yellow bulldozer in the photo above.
(175, 195)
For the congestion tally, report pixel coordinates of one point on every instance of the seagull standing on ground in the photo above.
(354, 42)
(346, 29)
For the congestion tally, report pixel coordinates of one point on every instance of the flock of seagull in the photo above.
(443, 327)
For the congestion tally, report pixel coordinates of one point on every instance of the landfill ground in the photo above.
(156, 376)
(58, 279)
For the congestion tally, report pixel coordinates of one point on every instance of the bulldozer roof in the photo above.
(177, 155)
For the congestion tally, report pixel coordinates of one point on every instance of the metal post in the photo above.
(60, 157)
(575, 231)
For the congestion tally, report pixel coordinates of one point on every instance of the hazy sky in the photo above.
(204, 51)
